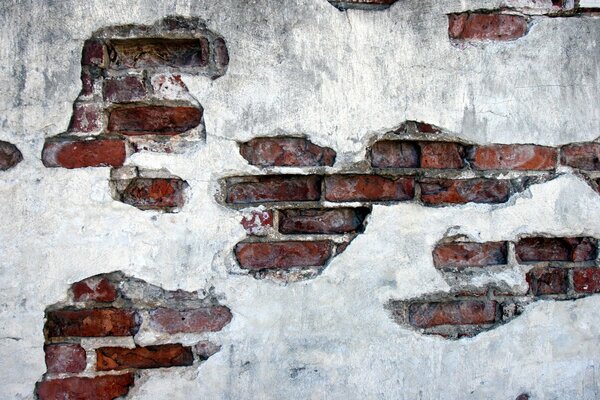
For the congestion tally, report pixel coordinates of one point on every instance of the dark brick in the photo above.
(264, 189)
(9, 155)
(441, 155)
(221, 53)
(86, 118)
(157, 52)
(286, 152)
(153, 120)
(93, 53)
(206, 349)
(81, 153)
(440, 191)
(257, 222)
(334, 220)
(162, 356)
(94, 289)
(122, 90)
(362, 4)
(91, 323)
(586, 280)
(495, 26)
(197, 320)
(584, 156)
(519, 157)
(341, 188)
(548, 281)
(523, 396)
(106, 387)
(282, 255)
(556, 249)
(395, 154)
(460, 255)
(462, 312)
(155, 194)
(65, 358)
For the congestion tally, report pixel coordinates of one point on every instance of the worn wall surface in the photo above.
(302, 67)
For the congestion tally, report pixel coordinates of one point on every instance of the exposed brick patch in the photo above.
(335, 220)
(463, 254)
(548, 281)
(556, 249)
(106, 387)
(587, 280)
(81, 153)
(513, 157)
(463, 312)
(488, 26)
(341, 188)
(273, 189)
(450, 191)
(343, 5)
(585, 156)
(286, 152)
(162, 356)
(65, 358)
(9, 155)
(110, 305)
(274, 255)
(153, 120)
(142, 53)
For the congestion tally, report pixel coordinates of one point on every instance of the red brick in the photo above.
(473, 26)
(548, 281)
(282, 254)
(221, 53)
(584, 156)
(122, 90)
(197, 320)
(519, 157)
(91, 323)
(94, 289)
(334, 220)
(460, 255)
(86, 118)
(162, 356)
(441, 155)
(286, 152)
(556, 249)
(586, 280)
(9, 155)
(395, 154)
(153, 120)
(157, 52)
(81, 153)
(341, 188)
(440, 191)
(155, 194)
(65, 358)
(264, 189)
(257, 222)
(106, 387)
(93, 53)
(462, 312)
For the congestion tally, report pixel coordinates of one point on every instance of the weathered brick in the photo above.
(440, 191)
(460, 312)
(197, 320)
(257, 222)
(155, 193)
(157, 52)
(274, 188)
(93, 53)
(91, 323)
(341, 188)
(519, 157)
(493, 26)
(122, 90)
(286, 152)
(153, 120)
(586, 280)
(548, 281)
(584, 156)
(460, 255)
(65, 358)
(94, 289)
(206, 349)
(395, 154)
(441, 155)
(86, 118)
(556, 249)
(221, 53)
(162, 356)
(334, 220)
(106, 387)
(9, 155)
(282, 255)
(81, 153)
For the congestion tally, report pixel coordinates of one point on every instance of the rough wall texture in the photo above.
(300, 199)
